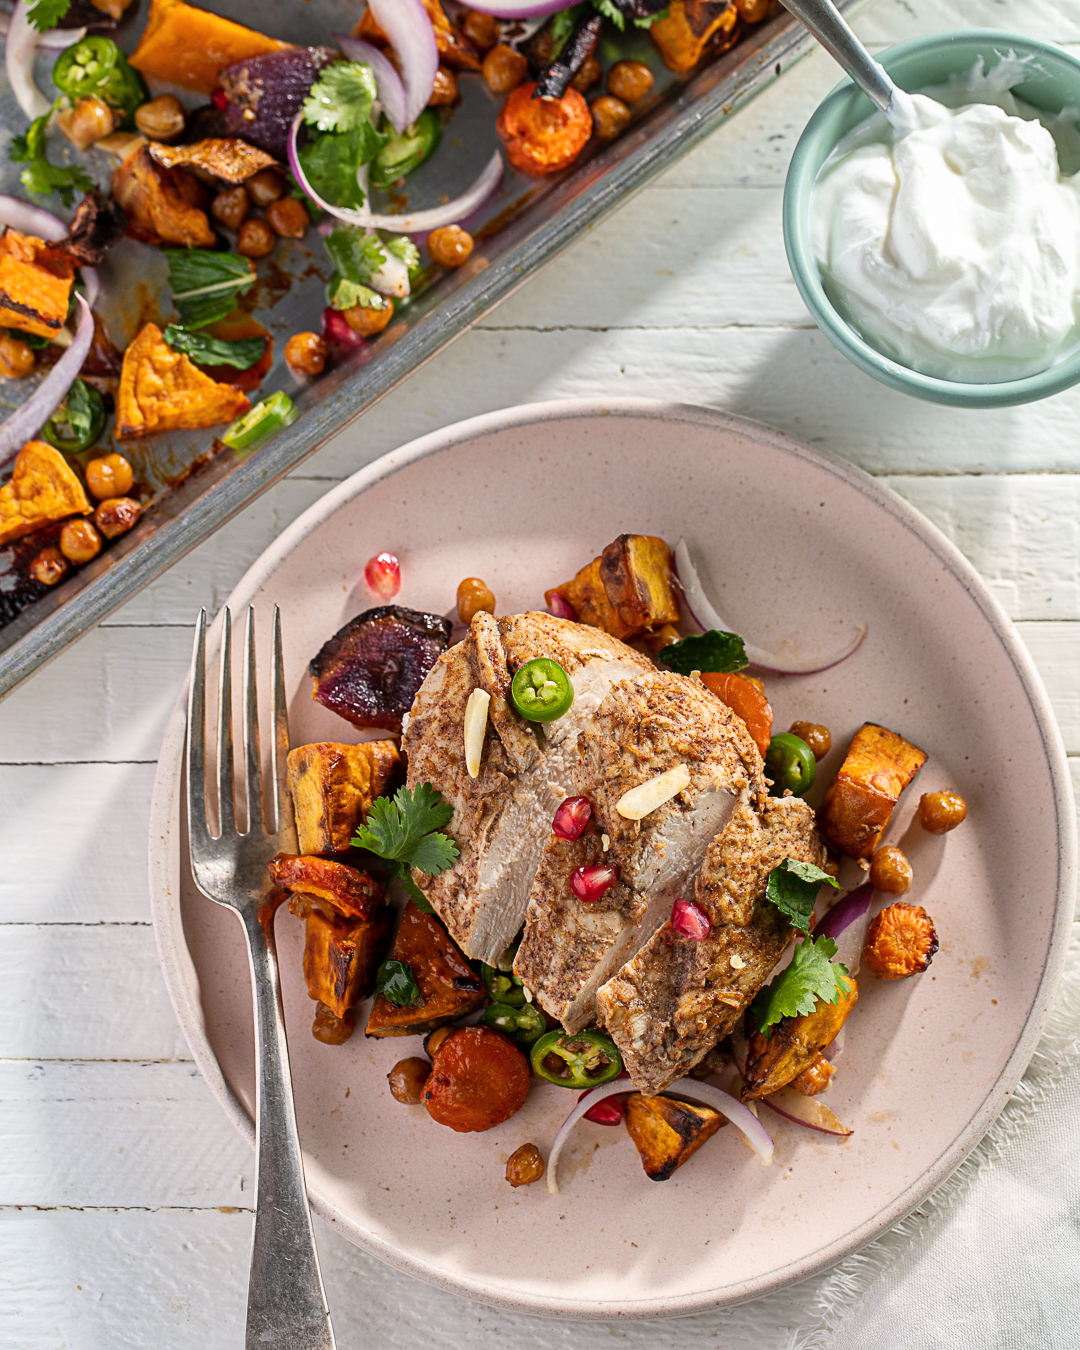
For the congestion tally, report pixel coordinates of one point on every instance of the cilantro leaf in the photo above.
(356, 253)
(46, 14)
(713, 650)
(396, 828)
(403, 249)
(562, 25)
(434, 854)
(42, 175)
(341, 99)
(650, 19)
(343, 294)
(208, 351)
(206, 285)
(611, 11)
(793, 886)
(395, 982)
(811, 976)
(330, 163)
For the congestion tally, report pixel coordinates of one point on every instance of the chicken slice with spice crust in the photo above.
(644, 727)
(670, 1005)
(502, 818)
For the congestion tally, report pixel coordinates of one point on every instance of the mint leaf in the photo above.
(812, 975)
(713, 650)
(47, 14)
(206, 285)
(341, 99)
(395, 982)
(208, 351)
(793, 886)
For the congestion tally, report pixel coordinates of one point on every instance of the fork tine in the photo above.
(279, 744)
(226, 807)
(198, 831)
(252, 753)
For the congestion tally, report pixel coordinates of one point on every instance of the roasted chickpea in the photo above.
(434, 1039)
(444, 91)
(88, 121)
(16, 357)
(753, 11)
(473, 595)
(482, 30)
(116, 515)
(817, 737)
(231, 208)
(331, 1029)
(79, 541)
(890, 871)
(109, 476)
(306, 353)
(900, 941)
(256, 239)
(524, 1166)
(610, 117)
(366, 320)
(814, 1078)
(265, 187)
(504, 69)
(49, 567)
(162, 119)
(587, 76)
(940, 812)
(407, 1079)
(450, 246)
(288, 217)
(630, 80)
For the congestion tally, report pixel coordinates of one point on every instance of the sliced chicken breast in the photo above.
(644, 727)
(502, 818)
(669, 1006)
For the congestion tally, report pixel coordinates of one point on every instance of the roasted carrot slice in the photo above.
(544, 135)
(478, 1079)
(745, 700)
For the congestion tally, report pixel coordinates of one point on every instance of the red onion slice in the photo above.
(706, 617)
(806, 1111)
(846, 923)
(25, 422)
(19, 48)
(757, 1136)
(54, 40)
(419, 221)
(519, 9)
(408, 28)
(391, 90)
(30, 219)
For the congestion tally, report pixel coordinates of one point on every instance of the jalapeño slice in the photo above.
(584, 1060)
(541, 690)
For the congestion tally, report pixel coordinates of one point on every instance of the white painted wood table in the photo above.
(126, 1193)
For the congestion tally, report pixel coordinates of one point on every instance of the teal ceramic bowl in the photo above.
(1054, 84)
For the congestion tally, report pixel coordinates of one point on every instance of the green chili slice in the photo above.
(523, 1025)
(502, 984)
(268, 415)
(541, 690)
(78, 421)
(97, 66)
(407, 150)
(789, 762)
(584, 1060)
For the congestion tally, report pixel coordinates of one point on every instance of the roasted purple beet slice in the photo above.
(266, 92)
(370, 670)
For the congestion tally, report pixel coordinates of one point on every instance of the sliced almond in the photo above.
(642, 801)
(476, 715)
(737, 963)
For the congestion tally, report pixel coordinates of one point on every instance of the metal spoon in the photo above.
(830, 28)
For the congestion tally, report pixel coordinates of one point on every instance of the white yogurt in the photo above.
(955, 247)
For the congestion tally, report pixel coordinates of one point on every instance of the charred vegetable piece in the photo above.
(583, 1060)
(524, 1025)
(98, 224)
(690, 27)
(901, 941)
(369, 672)
(161, 390)
(628, 590)
(333, 787)
(341, 957)
(266, 92)
(667, 1132)
(794, 1044)
(346, 891)
(162, 206)
(745, 700)
(188, 46)
(42, 489)
(449, 988)
(35, 285)
(877, 768)
(555, 79)
(478, 1079)
(543, 135)
(230, 159)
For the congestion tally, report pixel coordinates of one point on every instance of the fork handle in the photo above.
(286, 1304)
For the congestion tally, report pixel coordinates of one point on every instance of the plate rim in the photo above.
(182, 981)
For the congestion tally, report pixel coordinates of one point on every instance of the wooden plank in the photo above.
(1055, 649)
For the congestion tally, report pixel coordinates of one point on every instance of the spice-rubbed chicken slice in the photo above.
(645, 727)
(502, 818)
(670, 1005)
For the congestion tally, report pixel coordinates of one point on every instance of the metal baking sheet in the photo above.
(524, 226)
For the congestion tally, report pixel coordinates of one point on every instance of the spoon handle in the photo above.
(830, 28)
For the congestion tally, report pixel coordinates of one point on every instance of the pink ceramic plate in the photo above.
(795, 548)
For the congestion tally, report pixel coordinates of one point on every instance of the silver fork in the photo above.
(286, 1303)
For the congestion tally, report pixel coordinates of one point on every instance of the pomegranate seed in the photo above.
(607, 1111)
(383, 575)
(590, 883)
(561, 608)
(336, 330)
(690, 920)
(572, 817)
(219, 99)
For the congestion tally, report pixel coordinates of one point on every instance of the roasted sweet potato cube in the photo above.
(794, 1044)
(877, 768)
(42, 489)
(628, 590)
(346, 891)
(162, 206)
(688, 27)
(448, 985)
(35, 284)
(333, 787)
(189, 47)
(161, 390)
(341, 957)
(666, 1132)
